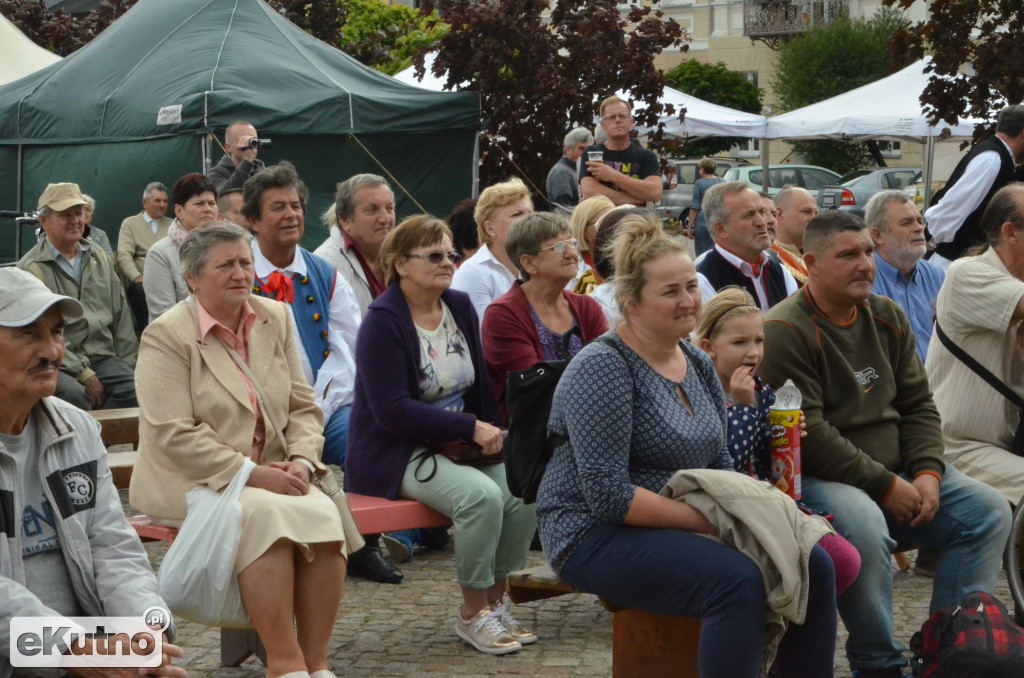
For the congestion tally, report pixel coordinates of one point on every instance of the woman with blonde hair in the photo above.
(421, 378)
(489, 273)
(583, 226)
(630, 415)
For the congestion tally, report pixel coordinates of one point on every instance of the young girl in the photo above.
(731, 331)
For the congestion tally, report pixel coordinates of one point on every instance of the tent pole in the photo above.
(764, 165)
(18, 185)
(474, 189)
(929, 159)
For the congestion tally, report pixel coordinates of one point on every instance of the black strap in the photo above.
(978, 369)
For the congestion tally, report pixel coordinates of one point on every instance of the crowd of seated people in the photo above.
(424, 320)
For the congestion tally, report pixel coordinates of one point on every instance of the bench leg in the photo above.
(648, 644)
(237, 645)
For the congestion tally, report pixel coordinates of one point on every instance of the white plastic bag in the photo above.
(197, 579)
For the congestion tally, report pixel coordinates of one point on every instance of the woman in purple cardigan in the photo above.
(525, 325)
(420, 377)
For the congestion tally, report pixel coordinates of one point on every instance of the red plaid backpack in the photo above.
(976, 639)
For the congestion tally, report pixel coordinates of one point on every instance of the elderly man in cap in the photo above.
(60, 503)
(100, 348)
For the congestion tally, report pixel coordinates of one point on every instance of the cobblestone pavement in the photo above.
(407, 629)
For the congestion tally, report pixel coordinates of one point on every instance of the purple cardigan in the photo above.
(388, 420)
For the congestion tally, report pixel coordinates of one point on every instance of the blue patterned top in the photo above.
(551, 341)
(626, 428)
(749, 435)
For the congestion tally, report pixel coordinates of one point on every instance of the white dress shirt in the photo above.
(484, 279)
(947, 216)
(335, 381)
(760, 284)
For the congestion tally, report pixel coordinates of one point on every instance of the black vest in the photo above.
(721, 273)
(970, 233)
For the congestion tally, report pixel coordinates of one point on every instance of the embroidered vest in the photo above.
(310, 308)
(720, 273)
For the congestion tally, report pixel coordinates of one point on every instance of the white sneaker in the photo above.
(524, 635)
(485, 632)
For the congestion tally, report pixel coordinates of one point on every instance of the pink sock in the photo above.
(845, 558)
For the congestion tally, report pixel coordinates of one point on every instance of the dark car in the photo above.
(852, 192)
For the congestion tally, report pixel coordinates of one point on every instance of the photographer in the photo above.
(241, 163)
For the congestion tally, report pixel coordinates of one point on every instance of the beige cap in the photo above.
(59, 197)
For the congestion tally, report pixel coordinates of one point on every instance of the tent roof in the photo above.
(168, 68)
(19, 56)
(702, 117)
(889, 108)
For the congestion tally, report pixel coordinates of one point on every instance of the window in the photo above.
(814, 178)
(890, 149)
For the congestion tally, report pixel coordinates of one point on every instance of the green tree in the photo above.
(387, 37)
(719, 85)
(830, 60)
(987, 36)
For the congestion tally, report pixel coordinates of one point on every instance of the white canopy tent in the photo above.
(702, 118)
(19, 56)
(889, 108)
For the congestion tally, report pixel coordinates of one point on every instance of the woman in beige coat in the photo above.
(201, 415)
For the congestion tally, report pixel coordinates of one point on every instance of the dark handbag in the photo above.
(1017, 447)
(461, 452)
(975, 639)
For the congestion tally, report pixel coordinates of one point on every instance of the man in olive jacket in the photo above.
(98, 369)
(873, 454)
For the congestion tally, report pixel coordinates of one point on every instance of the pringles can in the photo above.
(784, 420)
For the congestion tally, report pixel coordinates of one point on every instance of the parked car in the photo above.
(852, 192)
(677, 186)
(780, 176)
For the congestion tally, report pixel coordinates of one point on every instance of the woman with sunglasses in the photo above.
(420, 377)
(526, 324)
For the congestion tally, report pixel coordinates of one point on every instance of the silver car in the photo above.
(852, 192)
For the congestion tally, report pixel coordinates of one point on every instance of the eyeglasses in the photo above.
(561, 246)
(437, 258)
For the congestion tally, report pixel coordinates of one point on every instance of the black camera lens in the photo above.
(259, 143)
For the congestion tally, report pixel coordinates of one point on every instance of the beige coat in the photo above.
(133, 242)
(764, 524)
(195, 420)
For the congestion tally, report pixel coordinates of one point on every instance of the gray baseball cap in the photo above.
(24, 297)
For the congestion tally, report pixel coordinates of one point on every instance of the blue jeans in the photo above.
(336, 437)
(702, 240)
(682, 574)
(970, 529)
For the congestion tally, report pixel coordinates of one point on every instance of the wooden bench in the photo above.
(374, 515)
(643, 643)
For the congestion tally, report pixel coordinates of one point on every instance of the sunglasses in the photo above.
(437, 258)
(562, 245)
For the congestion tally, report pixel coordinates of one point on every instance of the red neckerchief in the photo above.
(281, 286)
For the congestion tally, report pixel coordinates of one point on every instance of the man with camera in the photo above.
(242, 144)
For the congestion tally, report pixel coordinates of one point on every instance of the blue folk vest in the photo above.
(310, 308)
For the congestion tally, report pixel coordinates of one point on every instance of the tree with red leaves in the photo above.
(985, 38)
(540, 77)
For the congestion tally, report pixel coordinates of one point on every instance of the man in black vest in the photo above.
(954, 219)
(735, 216)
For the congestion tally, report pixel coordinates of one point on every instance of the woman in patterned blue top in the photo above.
(631, 420)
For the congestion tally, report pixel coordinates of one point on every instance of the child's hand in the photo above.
(803, 425)
(741, 385)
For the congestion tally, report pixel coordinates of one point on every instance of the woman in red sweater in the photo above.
(525, 325)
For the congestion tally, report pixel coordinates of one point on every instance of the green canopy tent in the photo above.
(139, 103)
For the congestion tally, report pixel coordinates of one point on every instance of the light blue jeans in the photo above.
(336, 436)
(970, 529)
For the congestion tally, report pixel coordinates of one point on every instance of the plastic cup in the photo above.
(595, 156)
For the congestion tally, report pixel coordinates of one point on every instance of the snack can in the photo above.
(784, 422)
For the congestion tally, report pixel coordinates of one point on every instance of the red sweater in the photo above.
(510, 337)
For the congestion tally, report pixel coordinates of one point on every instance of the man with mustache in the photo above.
(980, 308)
(897, 229)
(873, 455)
(736, 219)
(326, 314)
(68, 549)
(98, 369)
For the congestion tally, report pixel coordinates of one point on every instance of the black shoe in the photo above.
(370, 563)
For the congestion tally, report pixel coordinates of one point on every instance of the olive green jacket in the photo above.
(106, 327)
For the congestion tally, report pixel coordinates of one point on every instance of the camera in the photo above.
(259, 143)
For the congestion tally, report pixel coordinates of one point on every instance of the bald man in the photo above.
(795, 207)
(241, 161)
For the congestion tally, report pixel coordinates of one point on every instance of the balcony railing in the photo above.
(779, 18)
